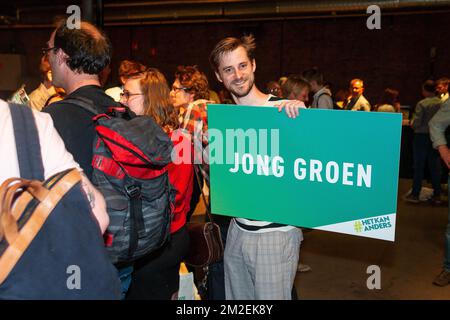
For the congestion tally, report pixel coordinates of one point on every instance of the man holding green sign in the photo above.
(260, 257)
(316, 175)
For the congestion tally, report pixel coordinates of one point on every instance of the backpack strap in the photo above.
(91, 107)
(84, 103)
(27, 142)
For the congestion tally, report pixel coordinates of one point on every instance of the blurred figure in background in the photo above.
(189, 96)
(389, 101)
(127, 69)
(423, 150)
(296, 88)
(46, 93)
(322, 95)
(442, 88)
(356, 101)
(274, 88)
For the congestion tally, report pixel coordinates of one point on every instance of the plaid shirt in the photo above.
(195, 121)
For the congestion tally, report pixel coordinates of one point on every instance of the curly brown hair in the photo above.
(194, 81)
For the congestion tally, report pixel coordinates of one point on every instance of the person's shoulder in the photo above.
(446, 105)
(202, 102)
(364, 99)
(273, 98)
(200, 105)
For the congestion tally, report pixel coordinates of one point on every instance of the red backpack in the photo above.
(130, 155)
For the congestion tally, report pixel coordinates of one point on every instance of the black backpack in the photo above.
(130, 155)
(51, 246)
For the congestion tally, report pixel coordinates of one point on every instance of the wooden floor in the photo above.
(408, 265)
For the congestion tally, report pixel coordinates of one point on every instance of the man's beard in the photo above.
(240, 94)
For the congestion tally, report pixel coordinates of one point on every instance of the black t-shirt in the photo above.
(75, 125)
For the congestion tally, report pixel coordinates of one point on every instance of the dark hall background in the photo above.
(408, 49)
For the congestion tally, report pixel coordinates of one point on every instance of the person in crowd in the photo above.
(225, 97)
(77, 56)
(260, 257)
(442, 88)
(46, 93)
(423, 150)
(282, 80)
(156, 276)
(51, 157)
(274, 88)
(438, 126)
(341, 99)
(127, 69)
(356, 101)
(190, 96)
(55, 158)
(295, 88)
(214, 96)
(322, 95)
(389, 101)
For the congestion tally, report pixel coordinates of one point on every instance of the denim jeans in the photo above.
(447, 238)
(423, 153)
(125, 279)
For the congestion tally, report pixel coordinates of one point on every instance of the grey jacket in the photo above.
(424, 112)
(439, 124)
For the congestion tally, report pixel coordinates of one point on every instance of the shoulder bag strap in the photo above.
(198, 177)
(27, 142)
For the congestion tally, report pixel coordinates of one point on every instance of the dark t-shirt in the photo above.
(75, 125)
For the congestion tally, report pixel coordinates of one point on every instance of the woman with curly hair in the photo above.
(190, 95)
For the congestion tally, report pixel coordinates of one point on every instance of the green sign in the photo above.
(326, 169)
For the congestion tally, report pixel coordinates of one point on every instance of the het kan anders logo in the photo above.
(372, 224)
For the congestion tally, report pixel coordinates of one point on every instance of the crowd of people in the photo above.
(261, 258)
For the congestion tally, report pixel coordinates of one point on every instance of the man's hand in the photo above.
(444, 151)
(291, 107)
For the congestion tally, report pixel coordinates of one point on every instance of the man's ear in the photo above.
(254, 65)
(49, 76)
(218, 76)
(61, 56)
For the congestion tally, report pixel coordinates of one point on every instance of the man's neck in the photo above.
(81, 80)
(47, 84)
(253, 98)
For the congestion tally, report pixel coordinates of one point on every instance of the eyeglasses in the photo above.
(275, 90)
(126, 94)
(46, 50)
(176, 89)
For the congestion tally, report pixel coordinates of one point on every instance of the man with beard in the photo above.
(260, 257)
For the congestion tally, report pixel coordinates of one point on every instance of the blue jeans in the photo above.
(125, 279)
(423, 152)
(447, 238)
